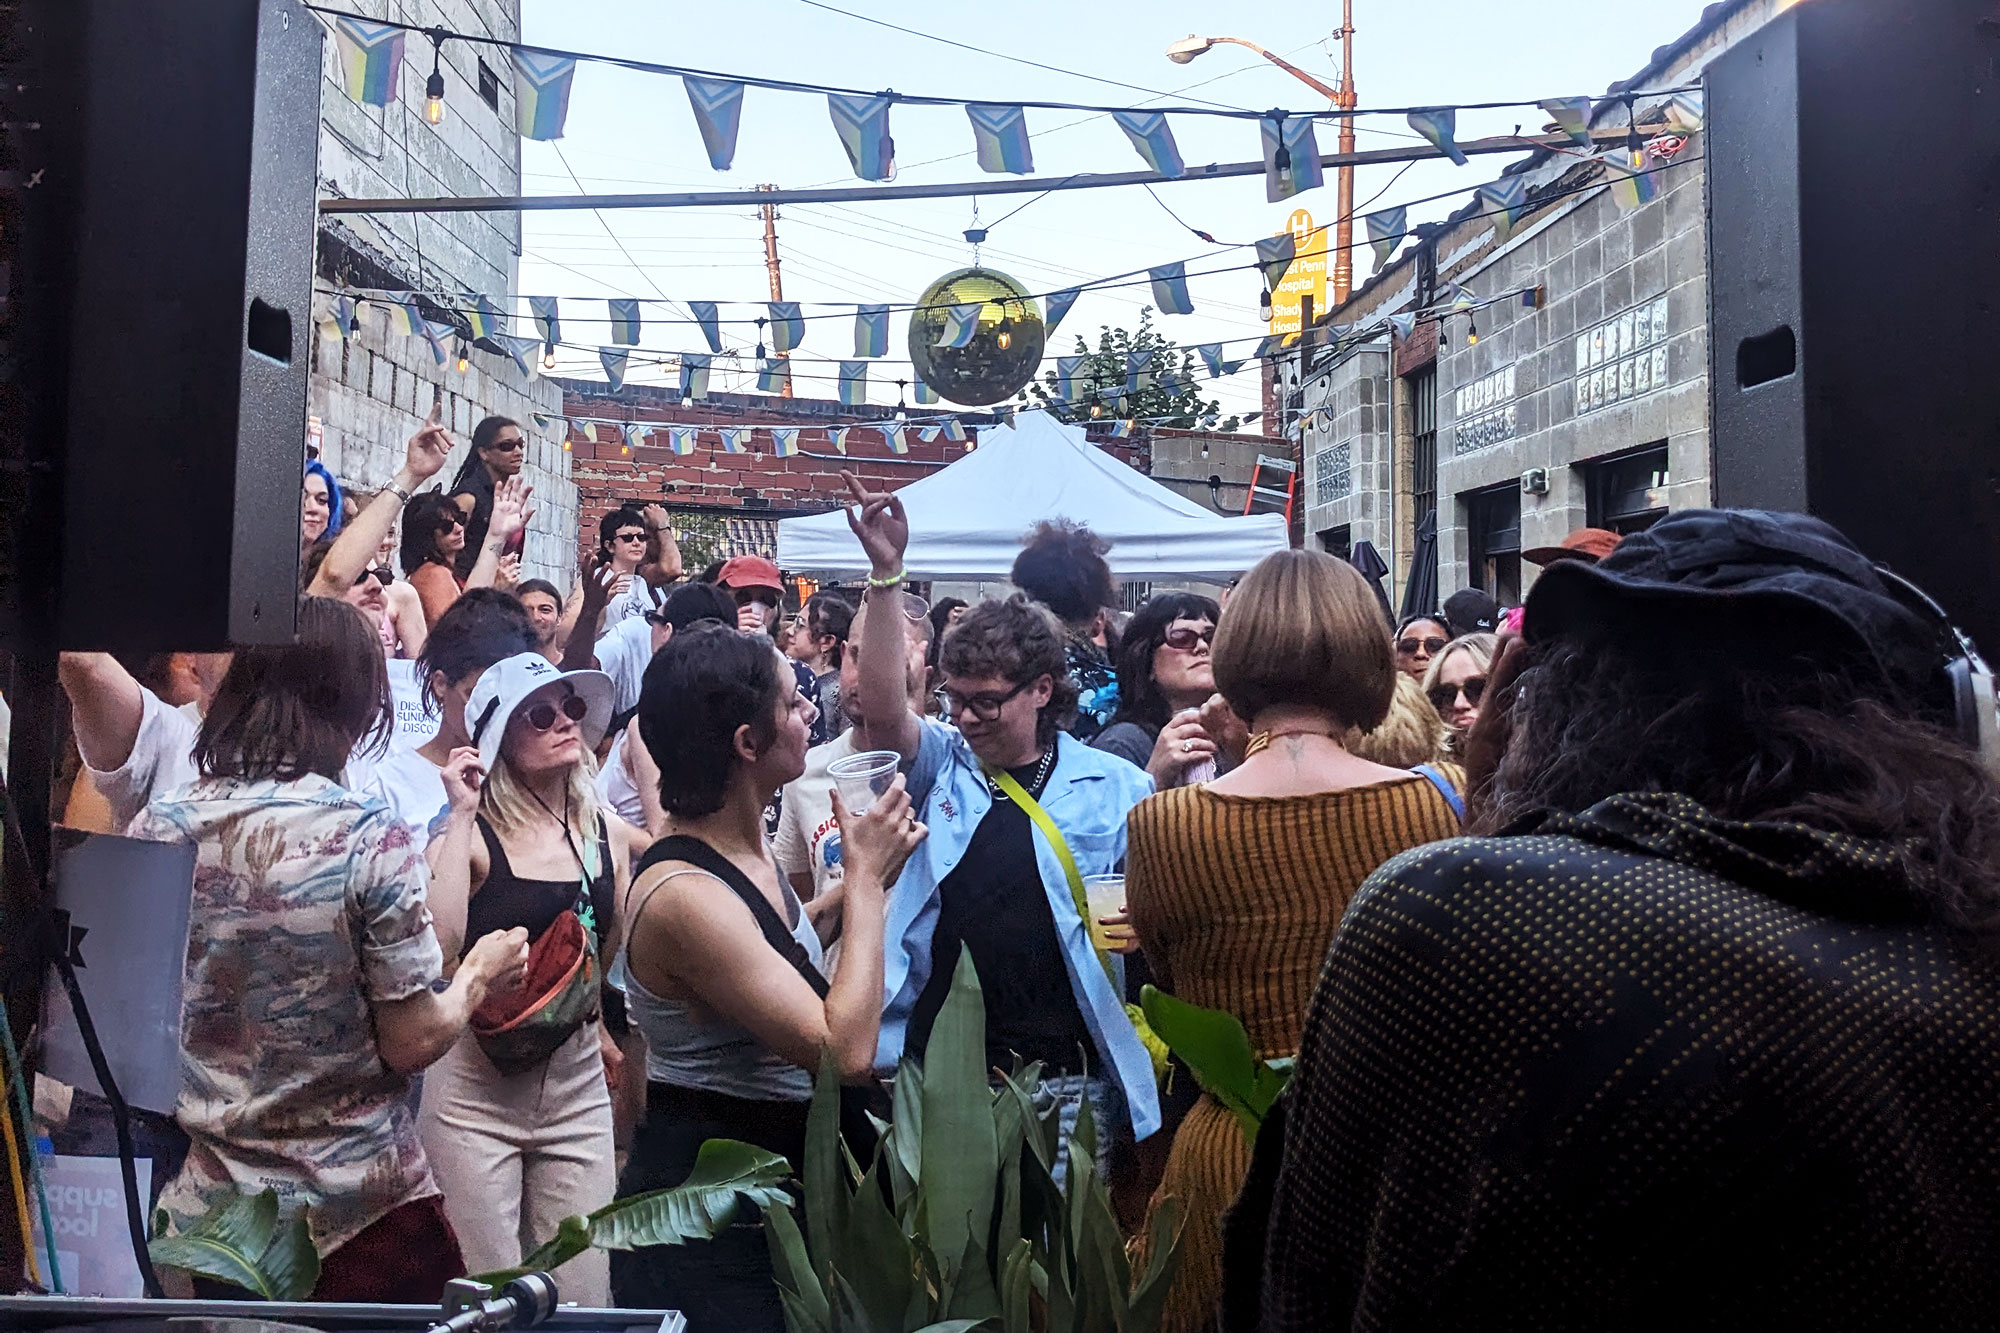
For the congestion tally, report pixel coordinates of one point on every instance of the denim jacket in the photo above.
(1088, 796)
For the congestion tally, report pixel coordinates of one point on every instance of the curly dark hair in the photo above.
(422, 518)
(1139, 698)
(484, 626)
(1779, 739)
(1062, 566)
(1017, 641)
(705, 683)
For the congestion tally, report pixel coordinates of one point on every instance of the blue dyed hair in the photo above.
(333, 498)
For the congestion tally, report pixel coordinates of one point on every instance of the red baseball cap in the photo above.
(751, 571)
(1589, 545)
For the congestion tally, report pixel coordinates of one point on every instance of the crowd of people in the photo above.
(1702, 1028)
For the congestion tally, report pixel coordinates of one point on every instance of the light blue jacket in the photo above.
(1088, 795)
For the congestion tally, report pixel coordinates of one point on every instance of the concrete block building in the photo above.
(1578, 396)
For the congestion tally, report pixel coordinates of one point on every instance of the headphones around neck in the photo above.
(1966, 674)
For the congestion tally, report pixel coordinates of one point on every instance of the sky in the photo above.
(629, 132)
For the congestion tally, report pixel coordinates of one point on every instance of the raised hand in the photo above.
(878, 520)
(510, 509)
(596, 586)
(659, 520)
(508, 576)
(462, 775)
(428, 447)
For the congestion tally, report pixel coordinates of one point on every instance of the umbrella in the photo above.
(1420, 594)
(1368, 560)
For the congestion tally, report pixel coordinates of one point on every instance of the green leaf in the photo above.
(241, 1241)
(959, 1181)
(1017, 1288)
(825, 1189)
(907, 1102)
(571, 1239)
(1149, 1295)
(699, 1207)
(806, 1306)
(880, 1259)
(952, 1326)
(1214, 1045)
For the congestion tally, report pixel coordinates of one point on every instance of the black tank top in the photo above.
(507, 900)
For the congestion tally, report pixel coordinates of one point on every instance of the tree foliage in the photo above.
(1167, 394)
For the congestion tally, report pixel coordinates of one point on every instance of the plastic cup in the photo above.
(1104, 895)
(861, 778)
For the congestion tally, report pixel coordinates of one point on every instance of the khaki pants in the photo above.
(516, 1154)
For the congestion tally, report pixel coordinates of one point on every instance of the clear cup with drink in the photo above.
(861, 778)
(1104, 895)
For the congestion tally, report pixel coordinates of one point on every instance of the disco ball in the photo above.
(1004, 351)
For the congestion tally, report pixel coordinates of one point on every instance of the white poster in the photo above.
(93, 1242)
(413, 725)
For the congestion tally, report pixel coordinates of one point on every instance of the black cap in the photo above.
(1790, 581)
(1470, 611)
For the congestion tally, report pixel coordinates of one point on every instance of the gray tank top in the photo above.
(715, 1054)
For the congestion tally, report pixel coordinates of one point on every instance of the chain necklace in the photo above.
(1042, 769)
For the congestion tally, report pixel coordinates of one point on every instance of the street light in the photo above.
(1343, 99)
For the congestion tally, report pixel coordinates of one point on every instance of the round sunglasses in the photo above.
(1409, 647)
(543, 715)
(1444, 696)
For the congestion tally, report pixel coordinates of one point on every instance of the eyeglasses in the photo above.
(509, 444)
(745, 596)
(543, 715)
(376, 572)
(629, 537)
(1186, 638)
(446, 522)
(1444, 696)
(1409, 647)
(985, 707)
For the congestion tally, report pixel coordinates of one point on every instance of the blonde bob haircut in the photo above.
(1411, 734)
(1302, 629)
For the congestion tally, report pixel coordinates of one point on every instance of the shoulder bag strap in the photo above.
(1444, 788)
(1019, 796)
(777, 934)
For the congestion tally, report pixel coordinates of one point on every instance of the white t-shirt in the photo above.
(408, 784)
(622, 654)
(808, 838)
(616, 788)
(162, 758)
(636, 600)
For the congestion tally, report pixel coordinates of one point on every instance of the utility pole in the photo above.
(1343, 236)
(770, 214)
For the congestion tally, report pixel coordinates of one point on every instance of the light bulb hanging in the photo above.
(1471, 331)
(434, 85)
(1004, 337)
(549, 357)
(464, 357)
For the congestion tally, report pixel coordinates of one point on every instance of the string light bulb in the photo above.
(1004, 337)
(434, 85)
(1264, 304)
(549, 357)
(1204, 448)
(1097, 409)
(1471, 331)
(464, 357)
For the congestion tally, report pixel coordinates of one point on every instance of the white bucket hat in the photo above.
(502, 687)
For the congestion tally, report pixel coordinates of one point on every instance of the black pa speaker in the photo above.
(1853, 160)
(169, 272)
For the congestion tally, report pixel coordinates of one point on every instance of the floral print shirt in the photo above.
(309, 904)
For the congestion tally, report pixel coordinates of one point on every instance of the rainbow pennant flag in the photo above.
(894, 438)
(871, 330)
(862, 122)
(681, 439)
(404, 317)
(1632, 186)
(1000, 138)
(541, 93)
(926, 395)
(785, 441)
(853, 383)
(1154, 139)
(694, 374)
(732, 438)
(371, 60)
(838, 435)
(954, 430)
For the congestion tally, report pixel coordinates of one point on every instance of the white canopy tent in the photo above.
(967, 520)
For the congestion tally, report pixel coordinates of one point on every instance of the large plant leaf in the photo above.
(699, 1207)
(242, 1242)
(1214, 1045)
(958, 1171)
(881, 1261)
(571, 1239)
(826, 1192)
(952, 1326)
(906, 1100)
(806, 1307)
(1149, 1293)
(1017, 1288)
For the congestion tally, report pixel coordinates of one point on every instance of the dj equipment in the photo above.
(525, 1302)
(1849, 149)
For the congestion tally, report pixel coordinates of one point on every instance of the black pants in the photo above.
(722, 1285)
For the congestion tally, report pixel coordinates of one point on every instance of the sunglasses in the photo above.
(507, 445)
(1444, 696)
(376, 572)
(985, 707)
(543, 715)
(745, 596)
(629, 537)
(1409, 647)
(1187, 638)
(446, 522)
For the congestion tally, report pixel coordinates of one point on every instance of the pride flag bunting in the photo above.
(1000, 137)
(838, 435)
(718, 113)
(1439, 124)
(371, 60)
(437, 335)
(1137, 365)
(694, 374)
(1404, 325)
(541, 93)
(635, 434)
(960, 323)
(1505, 200)
(543, 308)
(1151, 135)
(1067, 369)
(521, 349)
(1275, 255)
(1170, 289)
(785, 441)
(404, 317)
(1386, 231)
(893, 437)
(1630, 186)
(771, 375)
(1121, 429)
(871, 330)
(929, 434)
(1291, 142)
(681, 439)
(853, 383)
(954, 430)
(624, 320)
(1059, 304)
(711, 329)
(926, 395)
(732, 438)
(1571, 115)
(614, 359)
(788, 326)
(862, 122)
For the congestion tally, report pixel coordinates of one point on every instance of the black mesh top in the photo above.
(1640, 1068)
